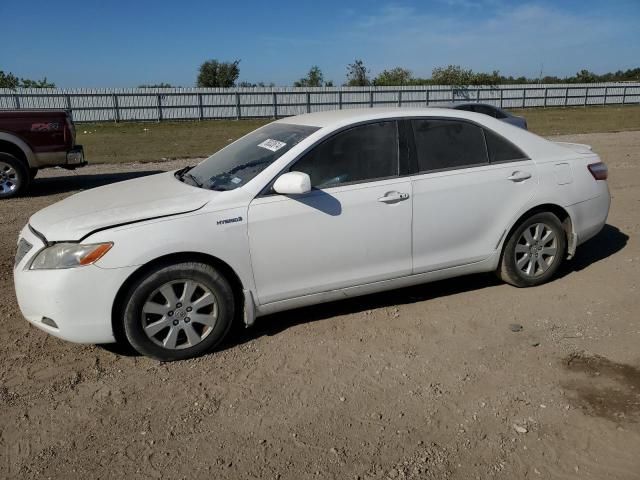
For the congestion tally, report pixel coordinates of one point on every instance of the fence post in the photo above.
(566, 96)
(524, 97)
(200, 109)
(477, 95)
(67, 99)
(275, 105)
(453, 95)
(370, 98)
(238, 109)
(544, 105)
(606, 89)
(501, 96)
(16, 98)
(399, 98)
(116, 108)
(624, 95)
(586, 96)
(159, 108)
(426, 98)
(340, 99)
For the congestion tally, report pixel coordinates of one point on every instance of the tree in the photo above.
(314, 78)
(481, 78)
(453, 75)
(9, 80)
(395, 76)
(585, 76)
(218, 74)
(156, 85)
(357, 74)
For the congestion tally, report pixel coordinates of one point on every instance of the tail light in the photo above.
(599, 170)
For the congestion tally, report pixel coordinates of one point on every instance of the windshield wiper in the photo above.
(183, 172)
(191, 177)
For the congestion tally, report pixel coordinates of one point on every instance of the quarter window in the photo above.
(365, 152)
(448, 144)
(500, 150)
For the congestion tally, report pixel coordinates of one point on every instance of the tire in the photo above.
(534, 251)
(33, 172)
(14, 176)
(161, 320)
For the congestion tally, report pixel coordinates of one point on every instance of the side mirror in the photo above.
(292, 183)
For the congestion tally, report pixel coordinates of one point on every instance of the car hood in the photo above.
(119, 203)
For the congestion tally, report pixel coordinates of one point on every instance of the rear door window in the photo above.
(448, 144)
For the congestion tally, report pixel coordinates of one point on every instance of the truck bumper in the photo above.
(71, 159)
(75, 158)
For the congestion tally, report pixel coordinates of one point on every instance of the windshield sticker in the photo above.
(236, 180)
(273, 145)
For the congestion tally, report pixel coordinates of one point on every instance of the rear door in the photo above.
(353, 228)
(470, 184)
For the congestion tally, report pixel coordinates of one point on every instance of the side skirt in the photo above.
(487, 265)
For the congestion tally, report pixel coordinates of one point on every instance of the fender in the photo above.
(28, 153)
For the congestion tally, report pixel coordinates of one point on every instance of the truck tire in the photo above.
(33, 172)
(14, 176)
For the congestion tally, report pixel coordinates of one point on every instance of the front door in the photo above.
(353, 228)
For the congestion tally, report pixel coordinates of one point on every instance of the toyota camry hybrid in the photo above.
(301, 211)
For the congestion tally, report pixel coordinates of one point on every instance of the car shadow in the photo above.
(41, 187)
(608, 242)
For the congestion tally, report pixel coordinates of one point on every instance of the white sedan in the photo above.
(306, 210)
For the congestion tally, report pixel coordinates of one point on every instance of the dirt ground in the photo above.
(424, 382)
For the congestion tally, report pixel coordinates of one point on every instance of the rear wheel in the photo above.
(14, 176)
(534, 251)
(179, 311)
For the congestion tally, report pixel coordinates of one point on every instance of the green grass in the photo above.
(563, 121)
(149, 142)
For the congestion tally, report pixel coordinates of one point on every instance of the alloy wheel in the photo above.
(9, 179)
(536, 250)
(179, 314)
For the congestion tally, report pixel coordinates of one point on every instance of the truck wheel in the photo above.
(33, 172)
(14, 176)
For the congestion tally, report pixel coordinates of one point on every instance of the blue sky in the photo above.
(114, 43)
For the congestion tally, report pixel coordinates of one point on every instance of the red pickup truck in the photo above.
(31, 140)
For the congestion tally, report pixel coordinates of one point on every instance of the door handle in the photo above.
(519, 176)
(393, 197)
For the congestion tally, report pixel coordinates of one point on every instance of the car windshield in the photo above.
(236, 164)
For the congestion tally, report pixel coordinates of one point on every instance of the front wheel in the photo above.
(534, 251)
(178, 311)
(14, 176)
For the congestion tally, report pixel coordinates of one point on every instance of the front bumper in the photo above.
(78, 300)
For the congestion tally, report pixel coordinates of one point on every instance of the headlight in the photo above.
(69, 255)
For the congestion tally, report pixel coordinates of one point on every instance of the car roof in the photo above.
(336, 118)
(331, 120)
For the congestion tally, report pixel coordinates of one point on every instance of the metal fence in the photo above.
(158, 104)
